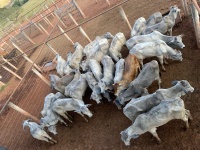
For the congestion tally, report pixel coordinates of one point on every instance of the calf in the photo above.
(37, 132)
(159, 115)
(145, 103)
(172, 41)
(119, 69)
(59, 84)
(138, 27)
(138, 87)
(158, 48)
(166, 24)
(116, 45)
(131, 68)
(61, 106)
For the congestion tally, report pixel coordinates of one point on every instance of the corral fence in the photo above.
(71, 25)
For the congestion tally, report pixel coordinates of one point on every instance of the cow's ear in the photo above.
(174, 82)
(182, 35)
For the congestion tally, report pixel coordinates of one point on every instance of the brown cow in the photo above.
(130, 72)
(48, 66)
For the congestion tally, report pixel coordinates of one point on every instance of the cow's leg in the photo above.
(185, 119)
(86, 120)
(66, 117)
(141, 62)
(161, 62)
(188, 114)
(165, 61)
(170, 32)
(62, 121)
(154, 133)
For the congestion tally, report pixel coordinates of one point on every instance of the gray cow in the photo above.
(59, 84)
(93, 84)
(116, 46)
(48, 100)
(154, 19)
(172, 41)
(96, 69)
(145, 103)
(108, 74)
(166, 24)
(159, 115)
(38, 132)
(138, 87)
(61, 106)
(157, 49)
(119, 70)
(77, 90)
(138, 27)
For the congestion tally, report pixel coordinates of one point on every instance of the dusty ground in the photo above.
(103, 129)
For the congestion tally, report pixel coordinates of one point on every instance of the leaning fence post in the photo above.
(124, 17)
(185, 7)
(51, 48)
(38, 27)
(77, 6)
(25, 56)
(84, 34)
(11, 72)
(60, 19)
(108, 2)
(195, 17)
(39, 75)
(43, 28)
(9, 63)
(23, 112)
(26, 36)
(65, 34)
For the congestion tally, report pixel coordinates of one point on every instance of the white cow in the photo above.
(159, 115)
(37, 132)
(119, 70)
(61, 106)
(116, 45)
(172, 41)
(138, 27)
(159, 49)
(154, 19)
(145, 103)
(96, 69)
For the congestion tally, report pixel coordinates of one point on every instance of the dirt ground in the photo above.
(103, 129)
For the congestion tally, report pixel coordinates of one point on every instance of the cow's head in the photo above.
(177, 55)
(184, 85)
(118, 88)
(177, 42)
(52, 129)
(84, 109)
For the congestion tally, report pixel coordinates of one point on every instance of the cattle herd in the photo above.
(100, 66)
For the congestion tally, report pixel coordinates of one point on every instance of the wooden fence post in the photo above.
(46, 20)
(9, 63)
(43, 28)
(72, 18)
(84, 34)
(11, 72)
(41, 31)
(77, 6)
(185, 7)
(60, 19)
(108, 2)
(51, 48)
(124, 17)
(65, 34)
(39, 75)
(23, 112)
(195, 17)
(27, 37)
(25, 56)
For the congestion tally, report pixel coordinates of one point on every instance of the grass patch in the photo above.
(3, 87)
(3, 3)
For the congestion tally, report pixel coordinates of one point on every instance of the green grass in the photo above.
(3, 87)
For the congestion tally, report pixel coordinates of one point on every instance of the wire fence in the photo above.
(29, 92)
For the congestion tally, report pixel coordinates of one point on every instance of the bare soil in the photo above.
(103, 129)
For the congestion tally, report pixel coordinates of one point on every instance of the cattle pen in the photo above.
(38, 43)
